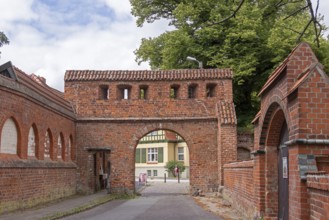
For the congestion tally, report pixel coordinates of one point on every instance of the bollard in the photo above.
(178, 177)
(165, 178)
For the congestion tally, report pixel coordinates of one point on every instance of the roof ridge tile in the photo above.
(133, 75)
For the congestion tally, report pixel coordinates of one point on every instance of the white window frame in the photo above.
(180, 153)
(152, 154)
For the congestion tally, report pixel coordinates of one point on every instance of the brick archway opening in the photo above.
(152, 153)
(273, 123)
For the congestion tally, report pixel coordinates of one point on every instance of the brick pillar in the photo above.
(227, 136)
(259, 183)
(299, 207)
(227, 148)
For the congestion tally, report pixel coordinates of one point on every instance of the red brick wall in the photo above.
(85, 98)
(27, 181)
(313, 113)
(318, 190)
(227, 148)
(239, 186)
(26, 112)
(122, 139)
(303, 208)
(259, 181)
(245, 144)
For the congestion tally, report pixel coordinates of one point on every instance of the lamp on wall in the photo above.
(194, 59)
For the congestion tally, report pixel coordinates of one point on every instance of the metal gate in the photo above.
(283, 175)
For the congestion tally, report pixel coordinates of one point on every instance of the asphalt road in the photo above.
(158, 201)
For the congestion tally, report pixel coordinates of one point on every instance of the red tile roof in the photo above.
(140, 75)
(226, 113)
(170, 135)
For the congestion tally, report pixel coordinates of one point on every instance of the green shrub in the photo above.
(171, 165)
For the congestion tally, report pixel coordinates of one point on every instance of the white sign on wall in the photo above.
(285, 167)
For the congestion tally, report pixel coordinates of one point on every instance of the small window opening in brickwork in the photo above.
(210, 90)
(104, 92)
(143, 92)
(47, 144)
(192, 91)
(31, 149)
(68, 150)
(9, 137)
(124, 92)
(60, 147)
(174, 91)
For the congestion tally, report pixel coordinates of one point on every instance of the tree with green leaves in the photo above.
(3, 39)
(249, 36)
(172, 164)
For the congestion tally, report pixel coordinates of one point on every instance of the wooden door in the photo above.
(283, 175)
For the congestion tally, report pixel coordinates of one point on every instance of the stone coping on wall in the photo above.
(308, 141)
(318, 180)
(34, 163)
(240, 164)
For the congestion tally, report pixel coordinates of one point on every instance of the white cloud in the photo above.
(121, 8)
(51, 47)
(15, 10)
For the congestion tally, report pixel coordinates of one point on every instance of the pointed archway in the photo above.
(276, 164)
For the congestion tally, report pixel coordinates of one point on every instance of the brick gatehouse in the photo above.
(115, 109)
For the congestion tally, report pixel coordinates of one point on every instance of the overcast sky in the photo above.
(48, 37)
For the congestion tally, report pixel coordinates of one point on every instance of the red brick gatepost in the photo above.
(296, 94)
